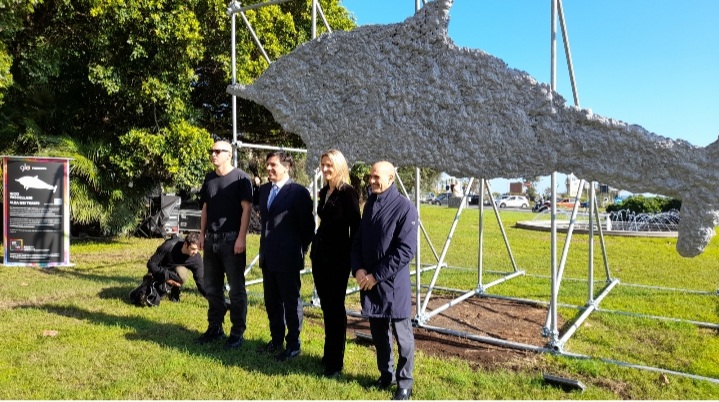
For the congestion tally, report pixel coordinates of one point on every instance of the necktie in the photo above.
(273, 194)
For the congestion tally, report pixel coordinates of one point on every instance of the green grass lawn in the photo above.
(70, 333)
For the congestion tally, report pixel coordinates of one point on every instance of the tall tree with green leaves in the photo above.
(134, 91)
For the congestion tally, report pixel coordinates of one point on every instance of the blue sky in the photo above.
(654, 63)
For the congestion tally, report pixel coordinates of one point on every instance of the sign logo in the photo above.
(24, 167)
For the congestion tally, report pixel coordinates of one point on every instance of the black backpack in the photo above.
(149, 293)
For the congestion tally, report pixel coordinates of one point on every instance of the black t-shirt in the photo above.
(223, 196)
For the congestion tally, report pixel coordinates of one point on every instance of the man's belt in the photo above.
(220, 235)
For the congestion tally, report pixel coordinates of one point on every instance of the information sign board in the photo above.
(36, 210)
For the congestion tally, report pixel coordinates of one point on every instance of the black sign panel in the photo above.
(36, 206)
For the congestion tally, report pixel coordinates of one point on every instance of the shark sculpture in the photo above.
(406, 93)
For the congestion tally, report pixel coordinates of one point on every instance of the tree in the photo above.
(531, 185)
(135, 90)
(427, 178)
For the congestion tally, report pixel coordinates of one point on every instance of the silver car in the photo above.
(442, 199)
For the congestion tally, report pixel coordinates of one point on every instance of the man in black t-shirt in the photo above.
(226, 199)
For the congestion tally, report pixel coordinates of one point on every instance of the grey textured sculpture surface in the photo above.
(406, 93)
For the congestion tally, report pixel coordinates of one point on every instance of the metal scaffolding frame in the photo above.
(556, 341)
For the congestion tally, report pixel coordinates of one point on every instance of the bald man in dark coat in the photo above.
(381, 253)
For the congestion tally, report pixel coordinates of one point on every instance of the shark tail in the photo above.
(696, 227)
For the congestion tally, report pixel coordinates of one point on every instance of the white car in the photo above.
(516, 201)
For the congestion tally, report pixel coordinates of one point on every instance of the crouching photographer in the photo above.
(168, 271)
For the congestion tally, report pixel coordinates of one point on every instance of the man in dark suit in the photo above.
(287, 229)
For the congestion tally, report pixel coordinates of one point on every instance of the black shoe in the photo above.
(288, 354)
(271, 347)
(148, 279)
(402, 394)
(383, 383)
(234, 342)
(174, 294)
(212, 334)
(331, 373)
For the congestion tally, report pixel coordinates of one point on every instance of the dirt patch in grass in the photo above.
(485, 317)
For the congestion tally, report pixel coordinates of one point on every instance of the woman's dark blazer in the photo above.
(339, 219)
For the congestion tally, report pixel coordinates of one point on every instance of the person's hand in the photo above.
(368, 282)
(201, 242)
(240, 245)
(359, 276)
(172, 282)
(364, 281)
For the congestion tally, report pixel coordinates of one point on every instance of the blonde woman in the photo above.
(338, 209)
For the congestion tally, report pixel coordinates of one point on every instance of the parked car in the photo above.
(442, 199)
(517, 201)
(427, 198)
(566, 203)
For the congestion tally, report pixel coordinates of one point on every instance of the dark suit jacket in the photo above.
(339, 219)
(287, 227)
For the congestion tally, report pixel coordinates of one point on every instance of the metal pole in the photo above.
(501, 228)
(445, 248)
(273, 148)
(568, 53)
(317, 182)
(314, 19)
(421, 226)
(235, 6)
(553, 331)
(255, 38)
(568, 239)
(451, 303)
(585, 314)
(233, 40)
(417, 256)
(480, 254)
(647, 368)
(602, 244)
(590, 267)
(324, 20)
(489, 340)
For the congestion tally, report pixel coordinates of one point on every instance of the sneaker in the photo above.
(212, 334)
(234, 342)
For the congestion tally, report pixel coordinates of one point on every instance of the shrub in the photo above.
(651, 205)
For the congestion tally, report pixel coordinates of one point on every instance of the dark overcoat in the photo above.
(384, 246)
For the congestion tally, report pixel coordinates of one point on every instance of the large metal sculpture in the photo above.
(405, 92)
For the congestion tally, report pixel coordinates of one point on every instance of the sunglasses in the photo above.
(217, 151)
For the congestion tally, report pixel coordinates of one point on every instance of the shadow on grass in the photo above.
(101, 277)
(182, 339)
(123, 293)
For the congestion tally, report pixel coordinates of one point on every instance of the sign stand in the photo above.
(36, 207)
